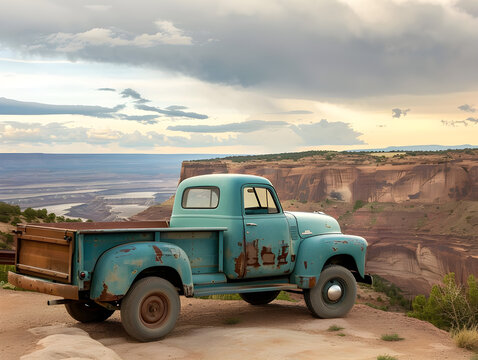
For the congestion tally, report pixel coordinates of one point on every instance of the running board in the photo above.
(235, 288)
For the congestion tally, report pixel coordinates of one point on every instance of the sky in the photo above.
(236, 77)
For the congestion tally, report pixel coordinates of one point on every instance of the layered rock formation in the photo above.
(350, 177)
(421, 216)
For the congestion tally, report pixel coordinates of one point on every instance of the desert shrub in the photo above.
(335, 328)
(358, 204)
(467, 338)
(30, 214)
(4, 218)
(449, 306)
(386, 357)
(393, 292)
(391, 337)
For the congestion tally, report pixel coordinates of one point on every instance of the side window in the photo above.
(200, 198)
(259, 200)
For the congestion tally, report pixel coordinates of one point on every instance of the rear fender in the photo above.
(315, 251)
(118, 268)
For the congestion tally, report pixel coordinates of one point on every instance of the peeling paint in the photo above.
(334, 249)
(239, 264)
(305, 265)
(267, 256)
(292, 258)
(106, 296)
(159, 254)
(282, 258)
(252, 252)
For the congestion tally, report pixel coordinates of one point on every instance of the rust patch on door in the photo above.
(282, 258)
(292, 258)
(239, 264)
(252, 252)
(311, 282)
(267, 256)
(159, 254)
(305, 265)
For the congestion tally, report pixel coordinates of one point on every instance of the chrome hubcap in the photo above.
(334, 292)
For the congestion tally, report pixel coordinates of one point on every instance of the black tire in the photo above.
(150, 309)
(259, 298)
(317, 298)
(87, 312)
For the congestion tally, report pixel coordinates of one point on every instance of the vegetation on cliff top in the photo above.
(12, 215)
(375, 156)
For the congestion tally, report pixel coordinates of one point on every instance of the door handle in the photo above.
(251, 224)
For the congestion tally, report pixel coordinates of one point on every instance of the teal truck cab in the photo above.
(227, 234)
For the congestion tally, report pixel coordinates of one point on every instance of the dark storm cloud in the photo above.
(242, 127)
(397, 113)
(106, 89)
(467, 108)
(314, 48)
(14, 107)
(172, 113)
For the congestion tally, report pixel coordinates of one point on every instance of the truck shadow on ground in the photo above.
(199, 313)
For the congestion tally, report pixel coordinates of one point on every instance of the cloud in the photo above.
(14, 107)
(143, 119)
(176, 107)
(106, 89)
(330, 48)
(455, 123)
(130, 93)
(278, 137)
(172, 113)
(397, 113)
(467, 108)
(242, 127)
(327, 133)
(99, 37)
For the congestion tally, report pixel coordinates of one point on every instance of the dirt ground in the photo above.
(216, 329)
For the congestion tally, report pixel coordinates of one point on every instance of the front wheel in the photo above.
(86, 312)
(150, 309)
(334, 294)
(259, 298)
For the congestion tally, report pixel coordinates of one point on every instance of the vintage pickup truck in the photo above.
(227, 234)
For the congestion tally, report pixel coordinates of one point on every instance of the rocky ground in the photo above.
(217, 329)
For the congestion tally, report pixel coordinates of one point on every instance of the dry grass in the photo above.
(467, 338)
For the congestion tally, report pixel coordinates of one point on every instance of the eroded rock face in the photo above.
(413, 248)
(314, 179)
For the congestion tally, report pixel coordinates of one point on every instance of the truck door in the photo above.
(266, 233)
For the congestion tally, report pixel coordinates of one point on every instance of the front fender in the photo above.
(117, 268)
(316, 250)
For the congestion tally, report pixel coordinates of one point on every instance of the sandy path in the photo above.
(281, 330)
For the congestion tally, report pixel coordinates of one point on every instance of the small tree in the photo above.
(449, 306)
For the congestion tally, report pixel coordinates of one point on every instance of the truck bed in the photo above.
(46, 250)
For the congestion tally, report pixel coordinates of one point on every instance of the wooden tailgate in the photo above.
(45, 252)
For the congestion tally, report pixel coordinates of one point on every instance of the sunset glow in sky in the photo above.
(236, 76)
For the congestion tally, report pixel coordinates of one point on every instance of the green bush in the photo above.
(449, 306)
(392, 291)
(358, 204)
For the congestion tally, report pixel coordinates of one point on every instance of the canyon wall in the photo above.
(421, 216)
(315, 179)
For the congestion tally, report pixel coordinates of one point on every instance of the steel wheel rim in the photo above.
(333, 291)
(154, 310)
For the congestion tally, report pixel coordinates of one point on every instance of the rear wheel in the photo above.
(334, 294)
(150, 309)
(259, 298)
(86, 312)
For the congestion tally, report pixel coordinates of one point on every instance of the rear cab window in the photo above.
(259, 200)
(203, 197)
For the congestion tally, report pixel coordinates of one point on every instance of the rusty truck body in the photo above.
(227, 234)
